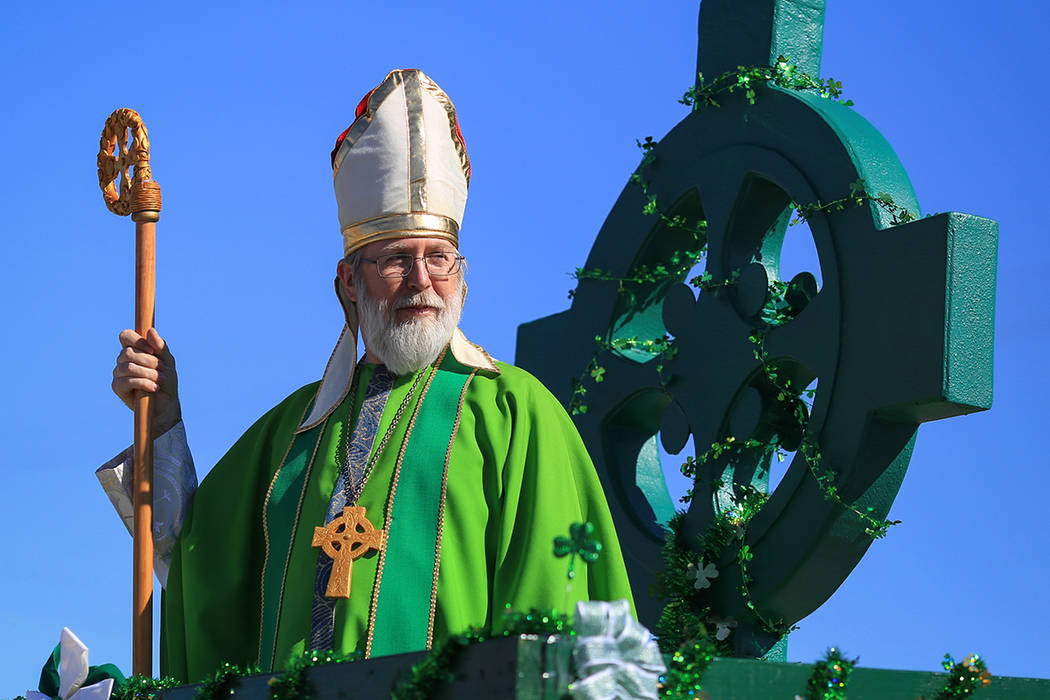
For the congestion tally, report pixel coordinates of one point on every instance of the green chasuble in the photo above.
(518, 476)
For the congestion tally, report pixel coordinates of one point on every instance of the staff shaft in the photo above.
(140, 197)
(142, 626)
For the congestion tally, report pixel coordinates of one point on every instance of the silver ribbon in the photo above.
(615, 656)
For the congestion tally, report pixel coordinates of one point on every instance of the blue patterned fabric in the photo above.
(347, 490)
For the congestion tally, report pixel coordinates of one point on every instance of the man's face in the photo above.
(405, 321)
(393, 290)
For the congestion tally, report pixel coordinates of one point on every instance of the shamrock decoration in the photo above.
(702, 574)
(723, 626)
(578, 542)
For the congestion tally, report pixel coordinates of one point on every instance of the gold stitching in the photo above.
(441, 511)
(266, 536)
(390, 504)
(291, 539)
(359, 489)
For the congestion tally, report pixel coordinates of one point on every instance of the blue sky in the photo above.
(243, 103)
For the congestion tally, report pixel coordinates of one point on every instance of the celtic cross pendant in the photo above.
(348, 537)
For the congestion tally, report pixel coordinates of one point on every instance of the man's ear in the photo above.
(346, 274)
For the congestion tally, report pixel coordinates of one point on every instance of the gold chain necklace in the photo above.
(356, 487)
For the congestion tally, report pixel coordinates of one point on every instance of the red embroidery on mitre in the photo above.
(464, 144)
(363, 104)
(361, 107)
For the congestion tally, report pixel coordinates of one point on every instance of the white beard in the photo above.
(408, 346)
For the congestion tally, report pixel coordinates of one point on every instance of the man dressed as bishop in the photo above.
(407, 495)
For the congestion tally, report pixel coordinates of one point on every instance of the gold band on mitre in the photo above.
(415, 225)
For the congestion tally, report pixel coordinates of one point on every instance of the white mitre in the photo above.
(400, 170)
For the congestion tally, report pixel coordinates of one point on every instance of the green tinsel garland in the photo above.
(222, 682)
(293, 684)
(964, 677)
(686, 671)
(142, 688)
(436, 669)
(681, 616)
(684, 613)
(829, 677)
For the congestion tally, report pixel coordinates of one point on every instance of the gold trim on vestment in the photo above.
(266, 540)
(414, 225)
(471, 354)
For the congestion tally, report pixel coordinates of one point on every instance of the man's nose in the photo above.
(418, 278)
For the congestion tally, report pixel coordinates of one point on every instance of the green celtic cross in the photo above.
(898, 333)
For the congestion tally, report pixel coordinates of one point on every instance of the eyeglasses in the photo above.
(400, 264)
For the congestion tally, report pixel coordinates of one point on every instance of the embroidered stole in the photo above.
(347, 489)
(402, 612)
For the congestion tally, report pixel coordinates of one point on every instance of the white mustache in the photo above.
(421, 299)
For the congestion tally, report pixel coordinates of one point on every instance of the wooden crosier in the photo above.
(139, 196)
(348, 537)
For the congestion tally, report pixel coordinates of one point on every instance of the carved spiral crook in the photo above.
(138, 194)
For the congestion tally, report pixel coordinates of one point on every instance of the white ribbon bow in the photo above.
(615, 656)
(72, 672)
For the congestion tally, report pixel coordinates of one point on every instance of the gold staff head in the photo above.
(128, 159)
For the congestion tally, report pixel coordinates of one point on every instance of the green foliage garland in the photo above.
(663, 348)
(782, 73)
(775, 315)
(858, 196)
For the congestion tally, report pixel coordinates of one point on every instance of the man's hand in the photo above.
(146, 364)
